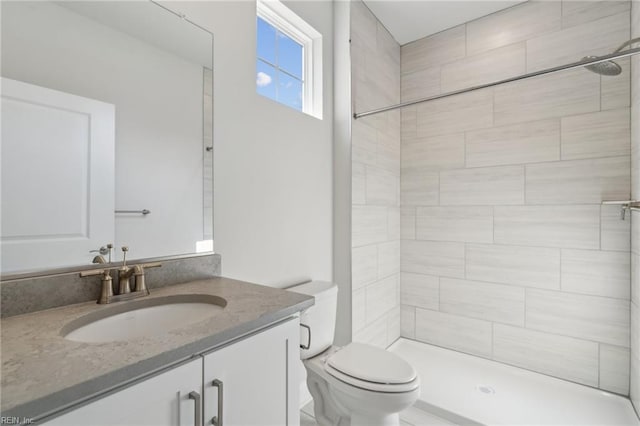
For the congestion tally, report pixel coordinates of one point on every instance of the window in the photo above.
(289, 59)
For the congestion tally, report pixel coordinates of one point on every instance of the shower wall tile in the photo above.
(364, 265)
(598, 273)
(580, 12)
(358, 184)
(452, 331)
(513, 25)
(422, 291)
(408, 122)
(432, 258)
(548, 226)
(374, 333)
(421, 83)
(480, 69)
(635, 284)
(393, 223)
(441, 48)
(560, 356)
(571, 44)
(486, 301)
(369, 225)
(381, 297)
(530, 142)
(567, 93)
(408, 223)
(419, 187)
(616, 90)
(434, 153)
(455, 114)
(483, 186)
(388, 258)
(523, 266)
(614, 369)
(614, 232)
(408, 321)
(462, 224)
(599, 319)
(597, 134)
(394, 323)
(579, 181)
(382, 187)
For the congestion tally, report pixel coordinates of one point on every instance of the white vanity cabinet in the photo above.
(158, 401)
(256, 382)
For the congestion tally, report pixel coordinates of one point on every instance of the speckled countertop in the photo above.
(42, 372)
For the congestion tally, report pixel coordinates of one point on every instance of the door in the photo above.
(164, 400)
(57, 187)
(255, 380)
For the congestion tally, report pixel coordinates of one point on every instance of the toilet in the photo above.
(357, 384)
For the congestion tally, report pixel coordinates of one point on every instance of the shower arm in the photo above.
(627, 43)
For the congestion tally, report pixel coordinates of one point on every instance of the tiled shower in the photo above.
(477, 218)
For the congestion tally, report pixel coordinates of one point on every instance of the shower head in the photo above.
(609, 67)
(603, 68)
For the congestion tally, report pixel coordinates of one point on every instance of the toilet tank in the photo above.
(321, 317)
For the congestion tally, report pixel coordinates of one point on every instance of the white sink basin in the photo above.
(143, 317)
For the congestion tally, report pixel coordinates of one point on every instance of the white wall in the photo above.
(158, 139)
(272, 165)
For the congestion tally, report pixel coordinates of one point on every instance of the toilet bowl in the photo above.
(357, 384)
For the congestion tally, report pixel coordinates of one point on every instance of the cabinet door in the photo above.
(256, 379)
(159, 401)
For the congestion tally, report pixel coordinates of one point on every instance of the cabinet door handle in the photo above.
(217, 420)
(198, 407)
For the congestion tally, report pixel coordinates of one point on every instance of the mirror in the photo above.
(107, 133)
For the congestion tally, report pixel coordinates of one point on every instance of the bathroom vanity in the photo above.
(244, 354)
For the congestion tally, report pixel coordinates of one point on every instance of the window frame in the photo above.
(288, 23)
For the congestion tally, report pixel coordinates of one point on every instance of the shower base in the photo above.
(468, 390)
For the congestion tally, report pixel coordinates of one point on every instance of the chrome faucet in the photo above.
(124, 275)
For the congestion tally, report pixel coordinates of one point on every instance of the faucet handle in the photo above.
(125, 249)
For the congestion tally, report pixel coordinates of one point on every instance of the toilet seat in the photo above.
(371, 368)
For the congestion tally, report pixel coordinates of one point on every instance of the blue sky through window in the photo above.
(279, 66)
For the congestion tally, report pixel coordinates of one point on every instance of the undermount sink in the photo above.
(141, 318)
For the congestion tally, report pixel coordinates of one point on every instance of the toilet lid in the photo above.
(370, 364)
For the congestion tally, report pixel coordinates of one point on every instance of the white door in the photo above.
(57, 187)
(256, 379)
(168, 399)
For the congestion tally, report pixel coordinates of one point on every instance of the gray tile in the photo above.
(364, 265)
(600, 319)
(440, 48)
(383, 187)
(409, 122)
(419, 187)
(408, 223)
(463, 224)
(452, 331)
(434, 153)
(559, 356)
(422, 83)
(579, 181)
(374, 333)
(573, 43)
(364, 139)
(420, 290)
(548, 226)
(481, 68)
(408, 321)
(616, 90)
(486, 301)
(614, 369)
(527, 266)
(393, 223)
(358, 184)
(455, 114)
(394, 325)
(432, 258)
(482, 186)
(556, 95)
(530, 142)
(369, 225)
(388, 258)
(597, 134)
(615, 232)
(579, 12)
(599, 273)
(512, 25)
(381, 297)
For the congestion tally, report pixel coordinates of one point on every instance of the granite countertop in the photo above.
(42, 372)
